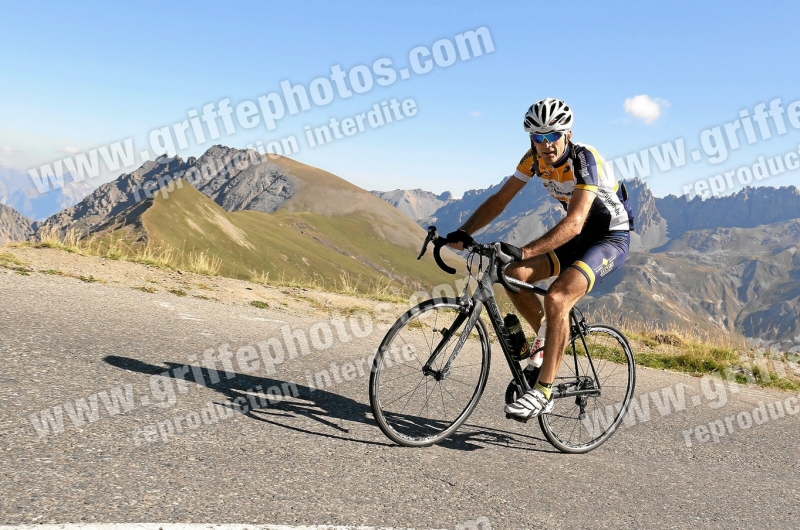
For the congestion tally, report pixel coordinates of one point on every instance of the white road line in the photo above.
(183, 526)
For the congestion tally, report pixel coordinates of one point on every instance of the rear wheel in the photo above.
(417, 400)
(581, 423)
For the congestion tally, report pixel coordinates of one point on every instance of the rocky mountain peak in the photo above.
(650, 227)
(14, 226)
(417, 204)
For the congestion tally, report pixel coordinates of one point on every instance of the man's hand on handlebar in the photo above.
(459, 239)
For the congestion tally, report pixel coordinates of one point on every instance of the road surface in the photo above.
(276, 452)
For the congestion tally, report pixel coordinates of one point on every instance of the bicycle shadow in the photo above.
(330, 410)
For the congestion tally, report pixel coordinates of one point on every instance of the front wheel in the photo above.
(607, 376)
(423, 386)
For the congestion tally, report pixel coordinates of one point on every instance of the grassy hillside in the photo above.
(291, 245)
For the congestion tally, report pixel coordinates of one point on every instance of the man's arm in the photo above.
(493, 206)
(566, 229)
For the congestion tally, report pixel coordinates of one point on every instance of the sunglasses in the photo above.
(546, 138)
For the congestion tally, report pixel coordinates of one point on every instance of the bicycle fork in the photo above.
(447, 334)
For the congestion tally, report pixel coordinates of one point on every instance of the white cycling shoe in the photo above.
(529, 405)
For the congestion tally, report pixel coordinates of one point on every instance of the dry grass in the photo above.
(347, 284)
(699, 352)
(204, 263)
(10, 261)
(162, 257)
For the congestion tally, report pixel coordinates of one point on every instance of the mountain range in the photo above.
(417, 204)
(263, 217)
(18, 191)
(725, 263)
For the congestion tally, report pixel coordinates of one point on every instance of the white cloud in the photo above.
(70, 150)
(645, 108)
(476, 114)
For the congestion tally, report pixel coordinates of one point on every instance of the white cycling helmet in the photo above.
(548, 115)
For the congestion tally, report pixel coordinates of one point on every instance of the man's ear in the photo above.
(569, 135)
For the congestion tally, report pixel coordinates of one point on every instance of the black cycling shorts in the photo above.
(594, 255)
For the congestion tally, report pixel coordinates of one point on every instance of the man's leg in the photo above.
(605, 255)
(527, 304)
(562, 296)
(570, 286)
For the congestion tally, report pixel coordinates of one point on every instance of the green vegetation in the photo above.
(725, 357)
(344, 254)
(88, 279)
(9, 261)
(259, 304)
(145, 289)
(178, 292)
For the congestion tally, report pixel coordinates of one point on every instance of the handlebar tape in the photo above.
(437, 249)
(501, 275)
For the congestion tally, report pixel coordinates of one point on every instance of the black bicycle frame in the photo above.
(472, 307)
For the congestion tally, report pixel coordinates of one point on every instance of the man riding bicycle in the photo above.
(589, 243)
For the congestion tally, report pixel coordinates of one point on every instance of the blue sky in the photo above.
(74, 77)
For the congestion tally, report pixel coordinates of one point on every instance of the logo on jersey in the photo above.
(610, 203)
(605, 267)
(559, 189)
(584, 166)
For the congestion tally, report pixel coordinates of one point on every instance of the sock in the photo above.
(545, 388)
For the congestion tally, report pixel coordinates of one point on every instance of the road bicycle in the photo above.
(431, 368)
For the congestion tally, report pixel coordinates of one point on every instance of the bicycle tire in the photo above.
(410, 417)
(572, 428)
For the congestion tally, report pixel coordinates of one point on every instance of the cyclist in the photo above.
(590, 242)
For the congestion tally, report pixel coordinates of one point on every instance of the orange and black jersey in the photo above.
(582, 168)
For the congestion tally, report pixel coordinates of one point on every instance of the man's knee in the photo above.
(555, 301)
(564, 293)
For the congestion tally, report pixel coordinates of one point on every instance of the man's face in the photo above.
(551, 152)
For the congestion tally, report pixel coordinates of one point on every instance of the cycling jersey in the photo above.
(582, 168)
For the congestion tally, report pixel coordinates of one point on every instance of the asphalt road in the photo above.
(317, 457)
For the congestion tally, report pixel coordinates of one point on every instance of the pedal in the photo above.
(516, 418)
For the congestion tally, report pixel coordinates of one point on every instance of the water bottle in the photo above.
(518, 340)
(536, 359)
(537, 350)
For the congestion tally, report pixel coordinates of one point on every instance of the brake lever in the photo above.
(430, 237)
